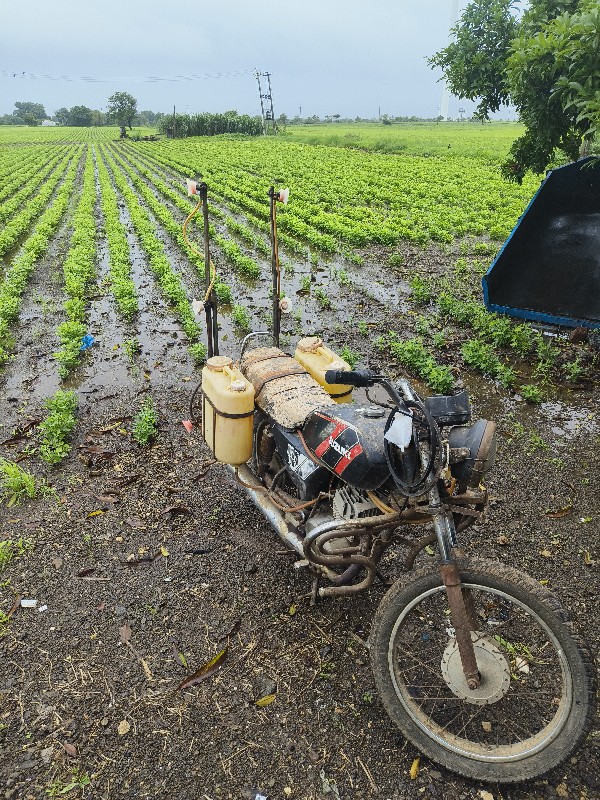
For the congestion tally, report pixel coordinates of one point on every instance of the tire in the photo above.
(535, 703)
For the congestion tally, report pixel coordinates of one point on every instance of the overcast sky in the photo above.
(325, 56)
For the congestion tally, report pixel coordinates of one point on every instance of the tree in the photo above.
(98, 118)
(546, 63)
(61, 115)
(122, 108)
(35, 112)
(80, 116)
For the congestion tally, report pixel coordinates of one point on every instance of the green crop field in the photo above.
(394, 241)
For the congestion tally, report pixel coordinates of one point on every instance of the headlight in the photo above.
(480, 441)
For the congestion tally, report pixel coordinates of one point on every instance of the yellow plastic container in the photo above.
(316, 360)
(227, 411)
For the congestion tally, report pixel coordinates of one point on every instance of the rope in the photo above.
(192, 247)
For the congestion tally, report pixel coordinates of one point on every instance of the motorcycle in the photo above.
(474, 661)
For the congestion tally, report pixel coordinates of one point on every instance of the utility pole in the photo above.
(268, 113)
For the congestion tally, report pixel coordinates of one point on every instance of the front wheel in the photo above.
(535, 701)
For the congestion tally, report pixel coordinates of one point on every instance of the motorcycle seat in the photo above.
(283, 388)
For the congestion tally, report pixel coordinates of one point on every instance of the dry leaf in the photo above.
(83, 573)
(124, 727)
(414, 769)
(125, 633)
(265, 701)
(135, 522)
(132, 561)
(69, 748)
(487, 726)
(95, 513)
(176, 510)
(205, 671)
(292, 609)
(560, 512)
(546, 553)
(146, 668)
(163, 551)
(485, 795)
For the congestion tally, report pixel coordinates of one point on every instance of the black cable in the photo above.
(192, 398)
(420, 484)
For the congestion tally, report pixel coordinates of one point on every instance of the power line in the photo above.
(22, 75)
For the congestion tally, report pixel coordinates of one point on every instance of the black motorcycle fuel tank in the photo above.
(348, 440)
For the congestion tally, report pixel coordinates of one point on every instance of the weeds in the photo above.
(16, 484)
(132, 347)
(145, 424)
(77, 780)
(322, 299)
(350, 356)
(12, 548)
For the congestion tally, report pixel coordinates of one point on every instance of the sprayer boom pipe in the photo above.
(274, 268)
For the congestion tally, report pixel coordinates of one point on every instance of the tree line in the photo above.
(121, 109)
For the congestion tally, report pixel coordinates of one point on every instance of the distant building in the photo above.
(48, 123)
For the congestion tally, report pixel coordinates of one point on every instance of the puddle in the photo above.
(566, 420)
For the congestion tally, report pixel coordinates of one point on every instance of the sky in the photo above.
(325, 56)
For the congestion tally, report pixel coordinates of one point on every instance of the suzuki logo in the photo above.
(338, 447)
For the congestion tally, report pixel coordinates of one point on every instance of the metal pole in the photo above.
(268, 75)
(262, 107)
(274, 269)
(211, 301)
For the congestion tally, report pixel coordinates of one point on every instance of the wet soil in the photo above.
(147, 563)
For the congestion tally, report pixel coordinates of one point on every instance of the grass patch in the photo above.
(16, 484)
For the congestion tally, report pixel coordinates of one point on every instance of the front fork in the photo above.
(461, 609)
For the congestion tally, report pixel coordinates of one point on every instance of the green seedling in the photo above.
(241, 317)
(531, 393)
(132, 347)
(350, 356)
(145, 424)
(57, 426)
(323, 300)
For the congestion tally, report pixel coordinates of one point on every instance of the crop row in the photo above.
(20, 223)
(11, 205)
(20, 170)
(241, 262)
(366, 196)
(17, 276)
(79, 268)
(169, 282)
(122, 286)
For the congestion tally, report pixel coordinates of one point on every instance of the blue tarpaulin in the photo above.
(549, 267)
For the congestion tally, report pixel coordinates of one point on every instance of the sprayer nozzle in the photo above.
(283, 196)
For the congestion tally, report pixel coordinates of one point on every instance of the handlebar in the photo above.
(357, 377)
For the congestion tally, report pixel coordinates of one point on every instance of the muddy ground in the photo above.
(145, 566)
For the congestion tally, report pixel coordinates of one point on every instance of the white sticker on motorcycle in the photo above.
(301, 464)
